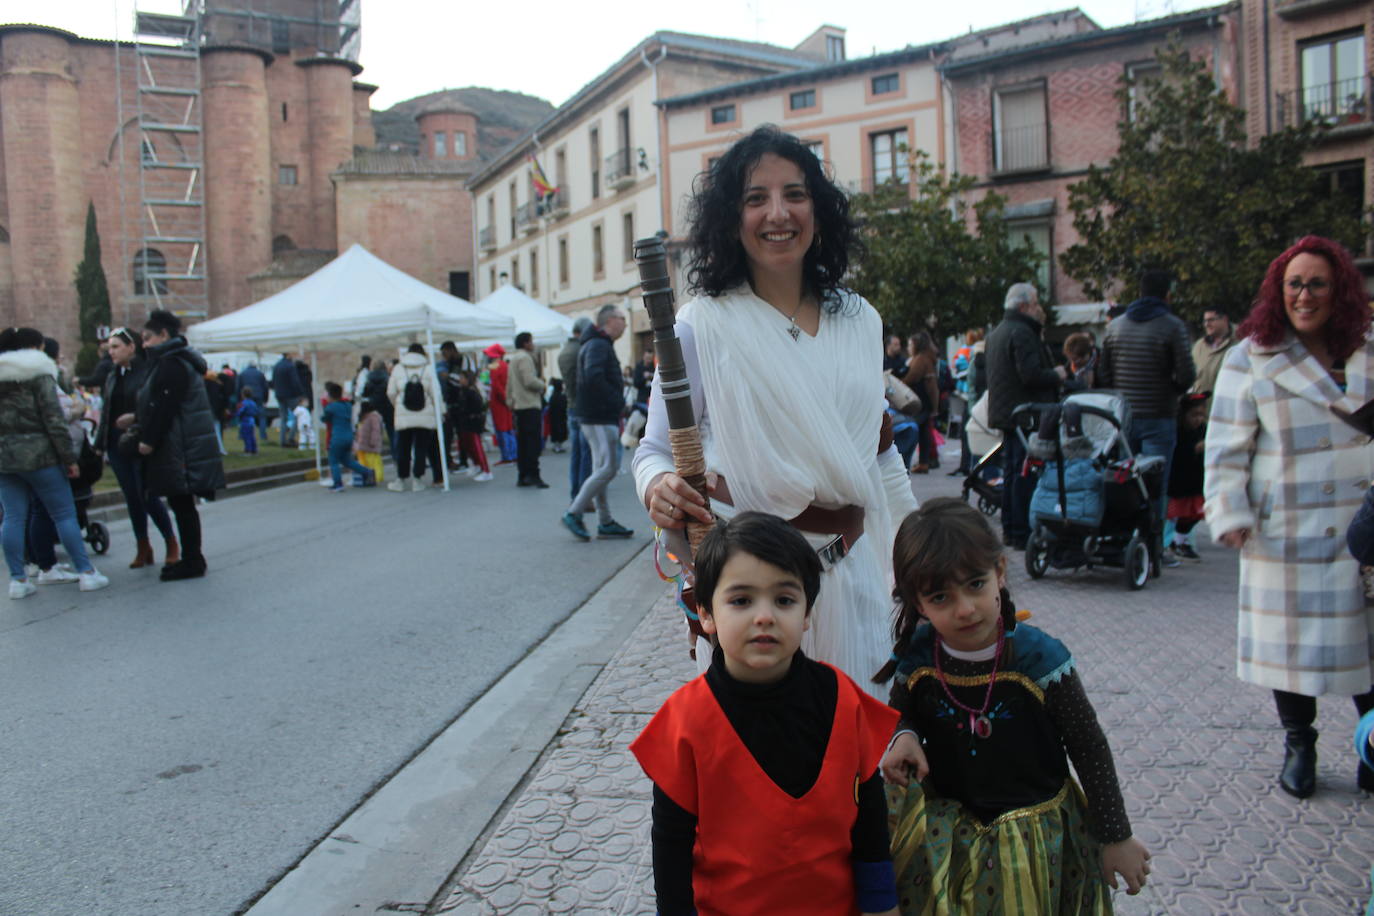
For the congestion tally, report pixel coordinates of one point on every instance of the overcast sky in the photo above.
(551, 48)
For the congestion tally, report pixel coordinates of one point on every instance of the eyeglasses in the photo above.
(1316, 287)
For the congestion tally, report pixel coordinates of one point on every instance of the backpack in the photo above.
(413, 395)
(374, 389)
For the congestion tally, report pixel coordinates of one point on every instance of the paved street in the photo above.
(1197, 753)
(171, 749)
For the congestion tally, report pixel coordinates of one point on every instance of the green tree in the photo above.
(1186, 193)
(924, 265)
(93, 297)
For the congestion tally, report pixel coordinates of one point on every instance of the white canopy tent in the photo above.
(550, 328)
(355, 300)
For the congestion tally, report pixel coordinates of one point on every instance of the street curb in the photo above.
(402, 843)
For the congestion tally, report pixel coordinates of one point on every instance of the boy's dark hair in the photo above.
(1155, 283)
(1078, 345)
(51, 347)
(160, 320)
(249, 394)
(20, 339)
(334, 390)
(760, 535)
(523, 338)
(366, 407)
(942, 543)
(416, 348)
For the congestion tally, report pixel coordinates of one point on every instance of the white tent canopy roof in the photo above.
(549, 328)
(357, 299)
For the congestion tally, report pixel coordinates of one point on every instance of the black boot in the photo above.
(1364, 778)
(1299, 775)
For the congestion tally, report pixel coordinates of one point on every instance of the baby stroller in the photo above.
(1096, 503)
(985, 479)
(90, 468)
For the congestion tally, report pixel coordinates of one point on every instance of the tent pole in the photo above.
(438, 412)
(314, 378)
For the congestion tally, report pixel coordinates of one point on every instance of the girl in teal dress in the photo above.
(992, 712)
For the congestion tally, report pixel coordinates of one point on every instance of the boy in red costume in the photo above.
(767, 797)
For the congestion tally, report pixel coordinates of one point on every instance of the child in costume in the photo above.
(338, 417)
(248, 414)
(305, 426)
(992, 821)
(367, 439)
(766, 792)
(1186, 474)
(472, 420)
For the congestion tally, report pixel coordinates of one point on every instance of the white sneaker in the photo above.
(417, 485)
(93, 581)
(56, 576)
(397, 486)
(483, 477)
(31, 570)
(21, 588)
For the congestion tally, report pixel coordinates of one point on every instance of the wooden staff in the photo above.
(688, 458)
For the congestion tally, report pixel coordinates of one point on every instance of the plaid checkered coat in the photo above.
(1282, 465)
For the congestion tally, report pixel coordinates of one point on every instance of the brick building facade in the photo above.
(283, 163)
(1030, 120)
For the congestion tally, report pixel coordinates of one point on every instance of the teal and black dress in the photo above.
(999, 825)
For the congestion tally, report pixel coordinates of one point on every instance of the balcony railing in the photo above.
(1336, 104)
(555, 205)
(486, 238)
(619, 170)
(1022, 149)
(527, 216)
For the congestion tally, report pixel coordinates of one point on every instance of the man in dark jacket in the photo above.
(1146, 356)
(600, 401)
(286, 382)
(1019, 371)
(580, 457)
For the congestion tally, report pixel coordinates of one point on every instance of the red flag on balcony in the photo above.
(542, 184)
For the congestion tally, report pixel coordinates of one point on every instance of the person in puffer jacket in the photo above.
(36, 458)
(176, 435)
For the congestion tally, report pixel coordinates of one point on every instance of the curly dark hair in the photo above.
(717, 261)
(1348, 325)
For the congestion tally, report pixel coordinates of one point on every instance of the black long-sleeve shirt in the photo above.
(785, 726)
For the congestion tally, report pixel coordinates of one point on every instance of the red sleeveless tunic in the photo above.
(758, 849)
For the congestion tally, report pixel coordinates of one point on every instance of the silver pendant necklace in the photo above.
(792, 321)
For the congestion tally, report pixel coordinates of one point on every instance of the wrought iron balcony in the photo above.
(527, 216)
(555, 205)
(486, 238)
(1334, 105)
(619, 170)
(1021, 149)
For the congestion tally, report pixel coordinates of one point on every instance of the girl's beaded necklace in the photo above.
(979, 725)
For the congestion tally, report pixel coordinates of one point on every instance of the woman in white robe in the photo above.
(785, 368)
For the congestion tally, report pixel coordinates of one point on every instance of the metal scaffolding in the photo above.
(167, 251)
(169, 266)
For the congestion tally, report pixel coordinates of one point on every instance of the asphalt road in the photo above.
(169, 749)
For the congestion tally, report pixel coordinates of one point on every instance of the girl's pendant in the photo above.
(794, 331)
(980, 726)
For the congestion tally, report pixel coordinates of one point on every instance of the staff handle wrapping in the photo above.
(688, 458)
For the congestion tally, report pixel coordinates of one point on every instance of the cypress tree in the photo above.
(93, 296)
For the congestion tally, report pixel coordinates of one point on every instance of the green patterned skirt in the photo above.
(1037, 860)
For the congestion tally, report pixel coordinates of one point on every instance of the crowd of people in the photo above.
(835, 755)
(152, 421)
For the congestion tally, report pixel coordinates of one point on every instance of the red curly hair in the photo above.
(1267, 324)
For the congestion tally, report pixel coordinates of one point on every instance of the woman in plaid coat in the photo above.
(1285, 477)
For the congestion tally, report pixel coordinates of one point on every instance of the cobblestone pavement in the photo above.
(1197, 753)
